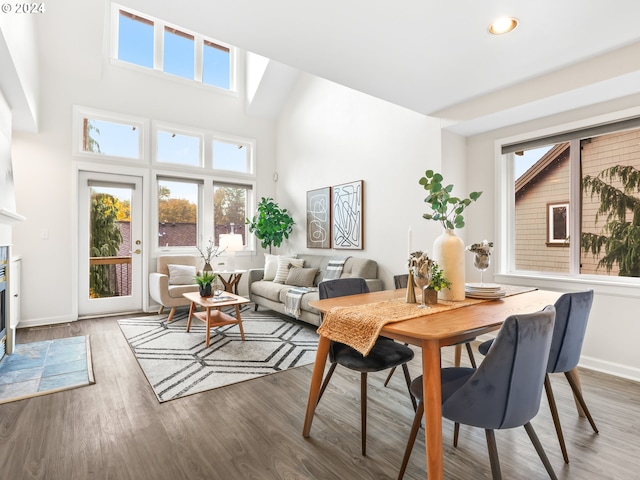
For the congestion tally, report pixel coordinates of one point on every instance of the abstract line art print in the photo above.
(347, 215)
(319, 218)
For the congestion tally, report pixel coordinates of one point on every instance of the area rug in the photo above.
(177, 363)
(40, 368)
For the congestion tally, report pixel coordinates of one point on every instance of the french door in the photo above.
(109, 244)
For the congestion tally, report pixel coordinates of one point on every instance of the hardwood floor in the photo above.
(116, 429)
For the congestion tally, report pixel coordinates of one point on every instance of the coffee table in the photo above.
(212, 315)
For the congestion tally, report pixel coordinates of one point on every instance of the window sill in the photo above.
(619, 287)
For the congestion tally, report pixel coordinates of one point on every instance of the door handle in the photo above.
(137, 251)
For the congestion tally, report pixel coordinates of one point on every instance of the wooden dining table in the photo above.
(430, 332)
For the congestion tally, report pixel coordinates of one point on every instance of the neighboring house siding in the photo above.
(551, 185)
(622, 148)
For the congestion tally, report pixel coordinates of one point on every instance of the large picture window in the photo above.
(230, 209)
(177, 212)
(587, 187)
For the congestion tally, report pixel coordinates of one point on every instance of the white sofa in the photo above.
(272, 295)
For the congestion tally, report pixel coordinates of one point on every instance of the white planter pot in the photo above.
(448, 251)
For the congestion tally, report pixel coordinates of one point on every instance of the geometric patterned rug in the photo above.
(177, 363)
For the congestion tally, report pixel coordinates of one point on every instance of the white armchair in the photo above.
(169, 295)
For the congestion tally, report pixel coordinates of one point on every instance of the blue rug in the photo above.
(41, 368)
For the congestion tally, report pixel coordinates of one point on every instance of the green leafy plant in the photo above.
(271, 224)
(447, 209)
(438, 280)
(620, 238)
(207, 278)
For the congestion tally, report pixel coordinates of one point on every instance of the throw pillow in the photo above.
(181, 274)
(270, 266)
(301, 277)
(284, 264)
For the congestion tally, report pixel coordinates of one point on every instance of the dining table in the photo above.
(430, 331)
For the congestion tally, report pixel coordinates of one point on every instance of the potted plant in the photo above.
(448, 249)
(271, 224)
(204, 282)
(437, 282)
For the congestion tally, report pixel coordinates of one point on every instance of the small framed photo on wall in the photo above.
(347, 215)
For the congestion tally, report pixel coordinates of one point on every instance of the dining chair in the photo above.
(385, 352)
(572, 314)
(400, 281)
(503, 392)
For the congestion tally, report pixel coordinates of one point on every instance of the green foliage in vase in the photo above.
(620, 236)
(271, 224)
(447, 209)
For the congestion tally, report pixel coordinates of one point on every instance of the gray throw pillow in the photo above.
(284, 264)
(301, 277)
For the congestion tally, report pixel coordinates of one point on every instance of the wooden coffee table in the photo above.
(212, 315)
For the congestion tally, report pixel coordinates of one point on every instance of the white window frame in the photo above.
(505, 214)
(80, 113)
(178, 130)
(158, 61)
(248, 143)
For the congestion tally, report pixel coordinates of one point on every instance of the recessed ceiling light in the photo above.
(503, 25)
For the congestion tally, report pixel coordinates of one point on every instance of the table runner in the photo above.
(359, 326)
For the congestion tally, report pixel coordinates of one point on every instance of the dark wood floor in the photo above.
(116, 429)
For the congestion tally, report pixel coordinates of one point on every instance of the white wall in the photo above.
(327, 135)
(74, 71)
(611, 341)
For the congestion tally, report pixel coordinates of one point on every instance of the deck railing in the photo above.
(119, 272)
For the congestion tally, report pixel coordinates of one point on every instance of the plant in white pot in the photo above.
(448, 248)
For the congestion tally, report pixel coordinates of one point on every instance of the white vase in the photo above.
(448, 251)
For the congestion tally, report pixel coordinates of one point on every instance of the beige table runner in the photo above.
(360, 325)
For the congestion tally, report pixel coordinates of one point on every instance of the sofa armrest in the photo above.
(254, 275)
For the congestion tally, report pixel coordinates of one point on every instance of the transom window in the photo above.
(178, 148)
(108, 138)
(153, 44)
(232, 156)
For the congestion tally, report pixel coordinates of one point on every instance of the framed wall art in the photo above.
(319, 218)
(347, 215)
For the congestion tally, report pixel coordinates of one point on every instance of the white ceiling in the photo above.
(435, 56)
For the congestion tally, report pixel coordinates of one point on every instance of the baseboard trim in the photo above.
(615, 369)
(40, 322)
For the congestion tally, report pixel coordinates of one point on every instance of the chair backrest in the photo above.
(165, 260)
(505, 390)
(400, 281)
(342, 287)
(572, 314)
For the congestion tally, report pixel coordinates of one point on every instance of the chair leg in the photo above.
(578, 394)
(161, 311)
(538, 446)
(326, 380)
(171, 313)
(556, 418)
(255, 307)
(363, 411)
(407, 378)
(389, 376)
(493, 455)
(472, 359)
(456, 432)
(412, 439)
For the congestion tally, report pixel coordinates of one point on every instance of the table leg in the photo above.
(239, 321)
(191, 308)
(432, 407)
(316, 381)
(457, 356)
(208, 309)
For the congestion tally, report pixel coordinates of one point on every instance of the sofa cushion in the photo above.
(181, 274)
(268, 290)
(176, 291)
(284, 264)
(301, 277)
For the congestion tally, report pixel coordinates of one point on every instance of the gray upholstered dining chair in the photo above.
(503, 392)
(400, 281)
(385, 353)
(572, 314)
